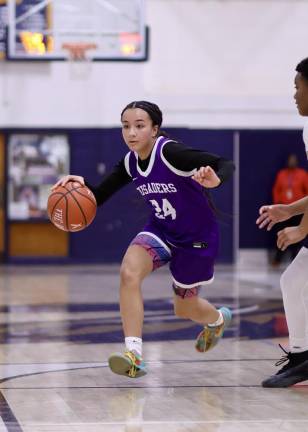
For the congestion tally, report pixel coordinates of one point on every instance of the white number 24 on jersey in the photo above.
(165, 210)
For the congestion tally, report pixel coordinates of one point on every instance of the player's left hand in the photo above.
(207, 177)
(289, 236)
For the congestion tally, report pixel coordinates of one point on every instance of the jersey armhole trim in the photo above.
(126, 164)
(172, 168)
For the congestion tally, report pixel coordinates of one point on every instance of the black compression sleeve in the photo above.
(110, 184)
(187, 159)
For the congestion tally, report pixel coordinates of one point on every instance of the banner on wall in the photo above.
(35, 163)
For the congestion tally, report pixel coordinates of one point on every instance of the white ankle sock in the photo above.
(134, 343)
(218, 322)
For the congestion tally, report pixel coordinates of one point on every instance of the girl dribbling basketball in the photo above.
(182, 229)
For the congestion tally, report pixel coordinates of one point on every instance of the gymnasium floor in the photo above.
(59, 324)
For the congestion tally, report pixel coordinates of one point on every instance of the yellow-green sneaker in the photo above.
(210, 335)
(129, 364)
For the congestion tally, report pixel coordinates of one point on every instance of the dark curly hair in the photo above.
(302, 68)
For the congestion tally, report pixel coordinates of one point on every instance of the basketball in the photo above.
(71, 207)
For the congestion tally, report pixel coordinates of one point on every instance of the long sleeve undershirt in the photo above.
(178, 155)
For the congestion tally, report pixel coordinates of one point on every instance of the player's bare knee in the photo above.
(129, 275)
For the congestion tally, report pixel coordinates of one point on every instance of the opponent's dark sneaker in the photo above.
(295, 371)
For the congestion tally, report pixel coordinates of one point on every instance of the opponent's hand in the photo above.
(289, 236)
(271, 214)
(68, 178)
(207, 177)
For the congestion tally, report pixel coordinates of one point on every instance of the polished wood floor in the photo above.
(59, 324)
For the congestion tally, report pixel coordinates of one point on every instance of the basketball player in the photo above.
(294, 281)
(182, 229)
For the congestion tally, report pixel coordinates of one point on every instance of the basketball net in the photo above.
(79, 58)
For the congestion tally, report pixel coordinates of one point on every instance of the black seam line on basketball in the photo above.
(68, 191)
(76, 189)
(67, 212)
(80, 208)
(85, 196)
(82, 212)
(67, 209)
(53, 209)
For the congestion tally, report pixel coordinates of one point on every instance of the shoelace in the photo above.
(284, 358)
(133, 370)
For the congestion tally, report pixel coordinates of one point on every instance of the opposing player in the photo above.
(182, 229)
(294, 281)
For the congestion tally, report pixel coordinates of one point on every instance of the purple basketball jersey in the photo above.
(179, 206)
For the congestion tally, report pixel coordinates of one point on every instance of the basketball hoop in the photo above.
(79, 58)
(78, 51)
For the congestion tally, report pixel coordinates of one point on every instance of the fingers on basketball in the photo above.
(71, 207)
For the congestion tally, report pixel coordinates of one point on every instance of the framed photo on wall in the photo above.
(35, 162)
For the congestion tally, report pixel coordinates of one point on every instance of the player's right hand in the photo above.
(271, 214)
(68, 178)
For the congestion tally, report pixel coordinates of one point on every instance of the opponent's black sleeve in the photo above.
(187, 158)
(113, 182)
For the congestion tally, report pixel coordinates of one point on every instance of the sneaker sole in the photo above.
(211, 341)
(284, 383)
(289, 378)
(210, 335)
(120, 365)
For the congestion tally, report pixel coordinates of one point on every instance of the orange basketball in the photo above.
(72, 207)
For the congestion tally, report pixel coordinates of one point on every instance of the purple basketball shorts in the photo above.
(189, 267)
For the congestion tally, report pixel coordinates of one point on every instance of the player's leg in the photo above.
(144, 255)
(187, 304)
(294, 286)
(136, 265)
(191, 268)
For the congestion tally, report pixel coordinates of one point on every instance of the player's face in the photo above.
(138, 131)
(301, 94)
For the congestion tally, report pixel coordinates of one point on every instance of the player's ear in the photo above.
(155, 131)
